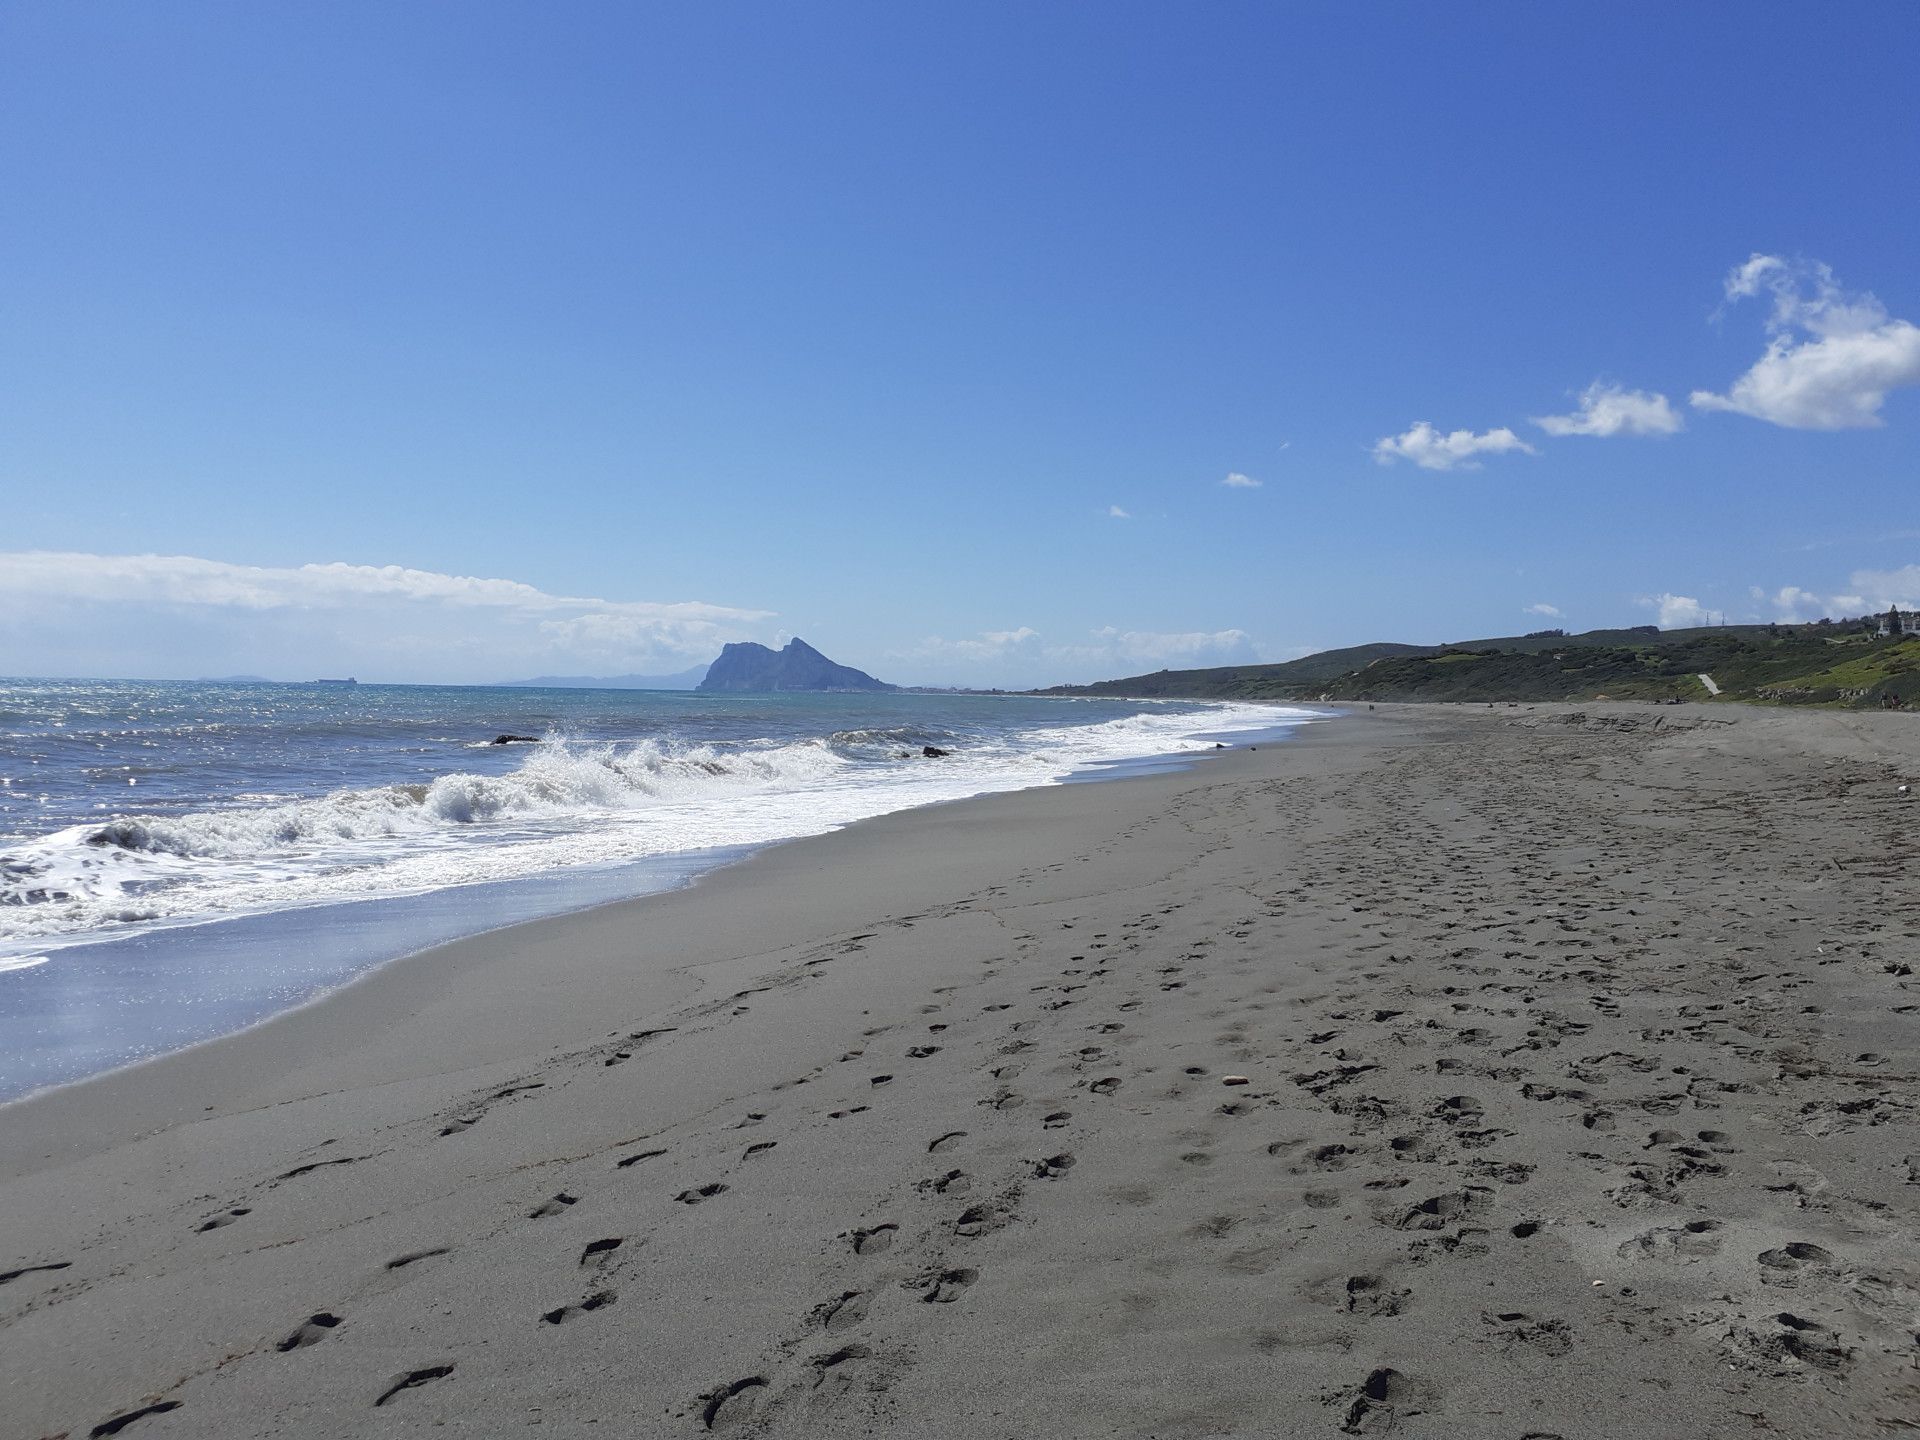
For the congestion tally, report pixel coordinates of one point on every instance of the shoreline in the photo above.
(438, 917)
(1453, 1072)
(259, 1049)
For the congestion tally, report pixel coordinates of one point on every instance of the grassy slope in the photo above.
(1804, 664)
(1249, 680)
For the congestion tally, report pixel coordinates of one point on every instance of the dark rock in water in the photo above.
(750, 667)
(934, 752)
(514, 740)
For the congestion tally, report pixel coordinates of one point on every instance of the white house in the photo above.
(1899, 622)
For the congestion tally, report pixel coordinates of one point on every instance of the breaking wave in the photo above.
(564, 803)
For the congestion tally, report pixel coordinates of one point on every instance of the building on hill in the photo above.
(1897, 622)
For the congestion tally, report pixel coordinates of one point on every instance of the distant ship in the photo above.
(348, 681)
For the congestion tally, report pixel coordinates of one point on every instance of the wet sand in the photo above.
(1515, 1073)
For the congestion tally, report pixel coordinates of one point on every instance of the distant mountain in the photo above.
(750, 667)
(680, 680)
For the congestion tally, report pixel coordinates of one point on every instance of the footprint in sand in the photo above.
(1372, 1296)
(875, 1240)
(947, 1286)
(595, 1301)
(311, 1333)
(596, 1251)
(1380, 1401)
(1786, 1264)
(731, 1404)
(118, 1423)
(1437, 1212)
(954, 1182)
(843, 1312)
(1694, 1240)
(412, 1379)
(831, 1368)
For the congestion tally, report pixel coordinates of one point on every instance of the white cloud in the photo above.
(1162, 646)
(1024, 657)
(1552, 612)
(1834, 355)
(1607, 410)
(1431, 450)
(1118, 514)
(1679, 612)
(202, 616)
(1237, 481)
(1881, 588)
(989, 645)
(1793, 603)
(1870, 592)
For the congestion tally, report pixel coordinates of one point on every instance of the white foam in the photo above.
(564, 805)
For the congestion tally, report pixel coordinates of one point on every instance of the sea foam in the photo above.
(565, 803)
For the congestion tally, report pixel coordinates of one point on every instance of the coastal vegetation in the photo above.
(1835, 663)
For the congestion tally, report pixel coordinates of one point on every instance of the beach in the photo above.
(1501, 1071)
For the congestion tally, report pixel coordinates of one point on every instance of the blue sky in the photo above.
(450, 342)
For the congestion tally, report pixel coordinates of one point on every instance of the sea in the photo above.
(181, 860)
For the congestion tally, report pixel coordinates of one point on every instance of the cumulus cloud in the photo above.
(1879, 589)
(1871, 591)
(1834, 356)
(1680, 612)
(1607, 410)
(204, 615)
(1118, 514)
(1794, 603)
(1432, 450)
(1552, 612)
(1237, 481)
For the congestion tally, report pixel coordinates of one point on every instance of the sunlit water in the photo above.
(178, 860)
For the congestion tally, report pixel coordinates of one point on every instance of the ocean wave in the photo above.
(563, 804)
(555, 780)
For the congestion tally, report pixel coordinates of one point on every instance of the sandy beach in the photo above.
(1518, 1072)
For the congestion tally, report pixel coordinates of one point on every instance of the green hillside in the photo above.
(1839, 663)
(1248, 680)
